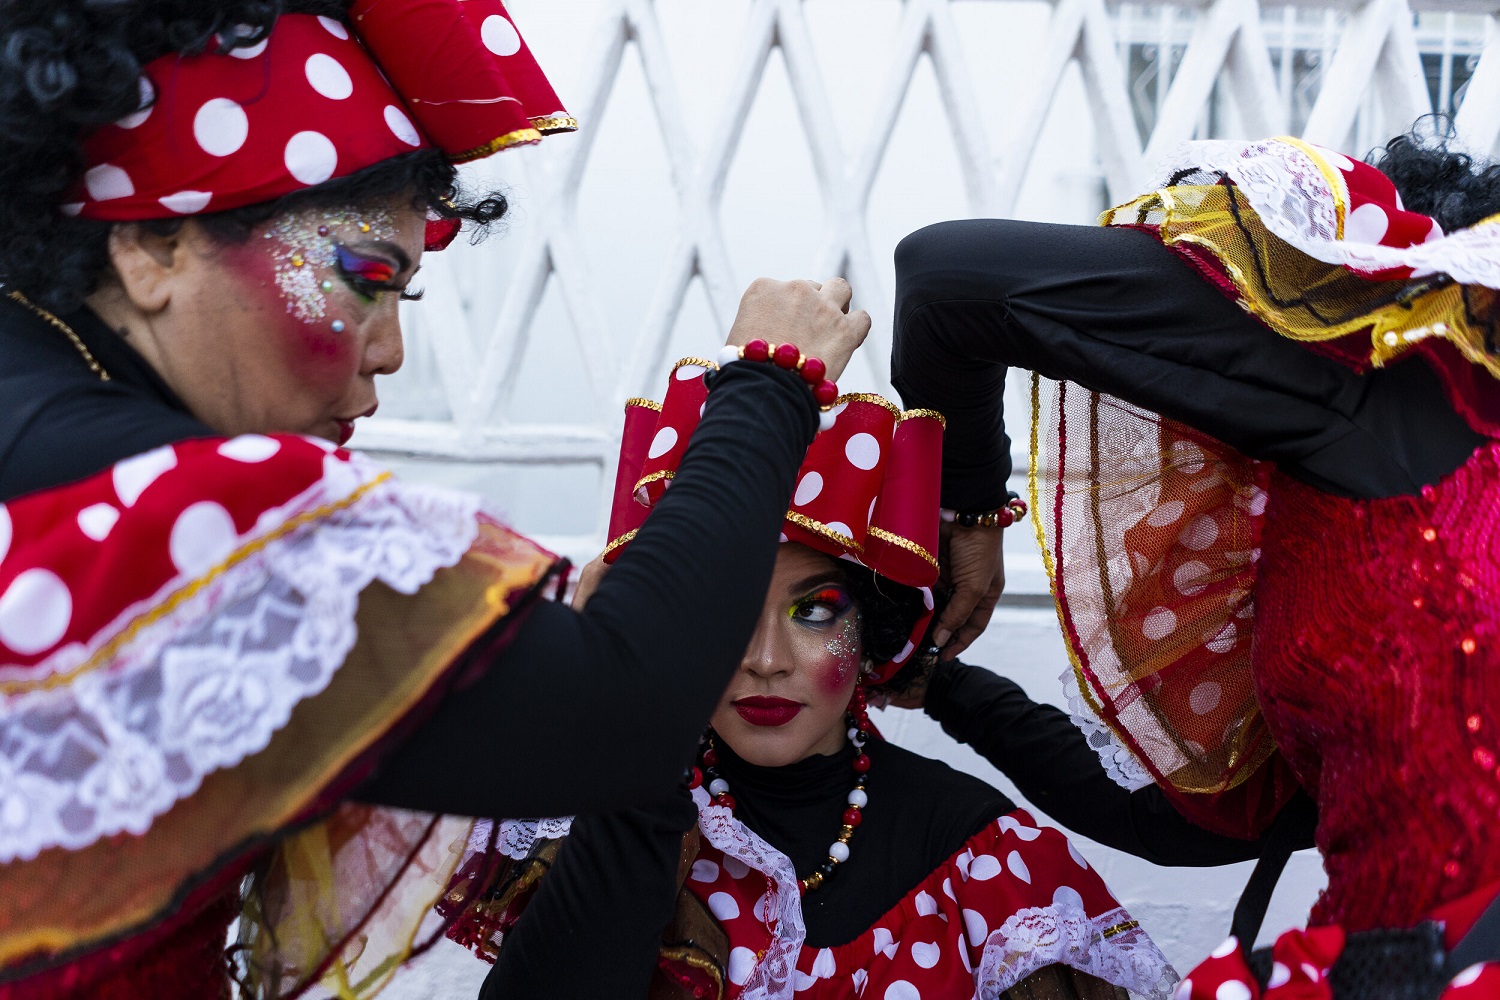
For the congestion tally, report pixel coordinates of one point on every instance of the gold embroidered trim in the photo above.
(697, 957)
(1121, 928)
(712, 366)
(520, 137)
(891, 538)
(176, 599)
(819, 528)
(649, 404)
(1332, 177)
(1034, 490)
(914, 414)
(869, 397)
(553, 124)
(619, 542)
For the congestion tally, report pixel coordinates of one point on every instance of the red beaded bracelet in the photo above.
(813, 371)
(1014, 510)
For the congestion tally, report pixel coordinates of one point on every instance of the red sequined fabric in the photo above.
(1377, 664)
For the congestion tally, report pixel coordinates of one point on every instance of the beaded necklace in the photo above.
(67, 331)
(858, 720)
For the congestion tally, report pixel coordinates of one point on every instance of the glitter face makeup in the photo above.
(306, 251)
(829, 607)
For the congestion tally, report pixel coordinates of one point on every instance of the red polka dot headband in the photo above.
(316, 100)
(868, 489)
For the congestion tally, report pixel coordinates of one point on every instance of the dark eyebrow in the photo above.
(817, 579)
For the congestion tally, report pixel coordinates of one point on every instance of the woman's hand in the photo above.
(973, 561)
(814, 317)
(588, 581)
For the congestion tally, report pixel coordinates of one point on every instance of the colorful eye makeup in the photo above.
(304, 250)
(822, 606)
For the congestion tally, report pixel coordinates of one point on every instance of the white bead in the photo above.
(718, 786)
(839, 851)
(826, 420)
(853, 734)
(727, 354)
(857, 797)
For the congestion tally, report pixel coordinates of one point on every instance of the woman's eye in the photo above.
(367, 275)
(821, 607)
(814, 612)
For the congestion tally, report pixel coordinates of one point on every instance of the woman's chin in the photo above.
(767, 746)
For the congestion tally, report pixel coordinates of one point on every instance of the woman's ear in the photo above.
(146, 264)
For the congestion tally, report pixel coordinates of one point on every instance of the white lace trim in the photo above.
(1292, 197)
(771, 976)
(208, 684)
(517, 836)
(1123, 767)
(1036, 937)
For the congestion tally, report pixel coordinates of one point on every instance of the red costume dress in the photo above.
(1322, 614)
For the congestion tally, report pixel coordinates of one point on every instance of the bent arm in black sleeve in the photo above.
(601, 708)
(595, 926)
(1115, 311)
(1049, 759)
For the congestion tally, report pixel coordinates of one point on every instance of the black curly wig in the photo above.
(888, 613)
(1438, 179)
(70, 66)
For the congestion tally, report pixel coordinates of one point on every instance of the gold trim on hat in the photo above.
(712, 366)
(552, 124)
(654, 477)
(520, 137)
(649, 404)
(870, 397)
(819, 528)
(914, 414)
(619, 542)
(891, 538)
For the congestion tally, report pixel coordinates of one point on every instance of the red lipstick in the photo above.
(759, 710)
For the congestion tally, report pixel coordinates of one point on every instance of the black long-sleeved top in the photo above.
(1115, 311)
(1040, 749)
(597, 709)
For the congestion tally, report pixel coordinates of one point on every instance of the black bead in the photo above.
(828, 868)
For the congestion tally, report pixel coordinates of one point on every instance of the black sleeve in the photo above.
(1049, 759)
(601, 709)
(595, 925)
(1114, 311)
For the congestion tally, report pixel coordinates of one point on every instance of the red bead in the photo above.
(813, 370)
(826, 393)
(711, 757)
(862, 763)
(1019, 506)
(726, 800)
(696, 780)
(1005, 517)
(786, 356)
(852, 816)
(756, 350)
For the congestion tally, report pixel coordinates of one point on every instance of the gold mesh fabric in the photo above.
(1306, 299)
(1149, 533)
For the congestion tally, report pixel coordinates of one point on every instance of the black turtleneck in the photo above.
(920, 813)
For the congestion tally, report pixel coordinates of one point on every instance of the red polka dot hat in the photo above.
(318, 98)
(867, 491)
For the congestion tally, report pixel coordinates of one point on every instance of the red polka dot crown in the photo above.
(867, 490)
(317, 99)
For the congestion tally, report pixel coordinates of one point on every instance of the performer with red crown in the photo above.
(1265, 488)
(245, 674)
(824, 862)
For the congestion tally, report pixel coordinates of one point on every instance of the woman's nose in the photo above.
(384, 350)
(762, 657)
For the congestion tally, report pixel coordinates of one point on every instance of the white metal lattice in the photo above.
(499, 319)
